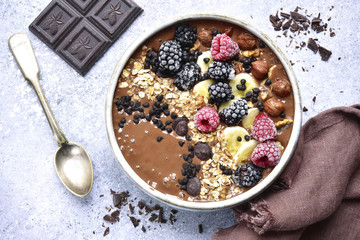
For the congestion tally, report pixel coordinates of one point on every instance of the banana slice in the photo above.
(250, 84)
(200, 61)
(245, 151)
(247, 122)
(202, 87)
(230, 136)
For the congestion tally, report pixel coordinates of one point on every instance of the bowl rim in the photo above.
(173, 200)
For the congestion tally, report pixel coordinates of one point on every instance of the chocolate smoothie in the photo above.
(187, 140)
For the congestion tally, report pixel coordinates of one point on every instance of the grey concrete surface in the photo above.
(33, 202)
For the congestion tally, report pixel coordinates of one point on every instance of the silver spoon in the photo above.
(72, 163)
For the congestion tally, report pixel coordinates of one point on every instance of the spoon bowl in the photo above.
(74, 168)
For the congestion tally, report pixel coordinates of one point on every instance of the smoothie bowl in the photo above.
(203, 112)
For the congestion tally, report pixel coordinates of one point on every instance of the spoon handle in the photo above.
(20, 47)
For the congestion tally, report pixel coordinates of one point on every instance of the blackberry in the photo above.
(220, 92)
(170, 57)
(188, 75)
(247, 175)
(221, 70)
(233, 114)
(185, 36)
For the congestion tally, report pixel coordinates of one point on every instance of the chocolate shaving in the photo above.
(120, 199)
(143, 229)
(298, 17)
(107, 231)
(312, 45)
(285, 15)
(134, 221)
(174, 211)
(116, 214)
(131, 207)
(305, 109)
(141, 204)
(324, 53)
(153, 217)
(109, 219)
(287, 24)
(314, 99)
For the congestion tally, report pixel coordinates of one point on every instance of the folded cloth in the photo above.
(318, 194)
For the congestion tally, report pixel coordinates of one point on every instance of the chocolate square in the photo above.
(80, 31)
(83, 46)
(113, 16)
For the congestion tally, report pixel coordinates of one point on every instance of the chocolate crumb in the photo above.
(332, 34)
(314, 99)
(153, 217)
(200, 227)
(305, 109)
(141, 204)
(324, 53)
(143, 228)
(107, 231)
(159, 138)
(134, 221)
(174, 211)
(116, 214)
(120, 199)
(101, 195)
(131, 207)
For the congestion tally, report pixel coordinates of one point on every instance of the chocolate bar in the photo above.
(80, 31)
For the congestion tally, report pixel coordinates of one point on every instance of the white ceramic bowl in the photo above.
(172, 200)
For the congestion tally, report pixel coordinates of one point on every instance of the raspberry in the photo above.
(223, 48)
(206, 119)
(266, 154)
(263, 128)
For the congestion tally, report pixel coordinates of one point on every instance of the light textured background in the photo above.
(33, 202)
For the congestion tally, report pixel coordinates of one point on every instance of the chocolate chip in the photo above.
(166, 112)
(146, 105)
(121, 125)
(136, 121)
(159, 138)
(168, 122)
(305, 109)
(238, 139)
(183, 187)
(188, 137)
(181, 143)
(203, 151)
(173, 115)
(169, 130)
(155, 121)
(200, 228)
(282, 115)
(181, 128)
(159, 97)
(190, 148)
(193, 186)
(268, 82)
(148, 118)
(177, 120)
(247, 137)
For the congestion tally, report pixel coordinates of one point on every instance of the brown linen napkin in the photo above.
(318, 194)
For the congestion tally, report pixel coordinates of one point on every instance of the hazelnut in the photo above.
(246, 41)
(205, 37)
(259, 69)
(228, 31)
(281, 87)
(274, 107)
